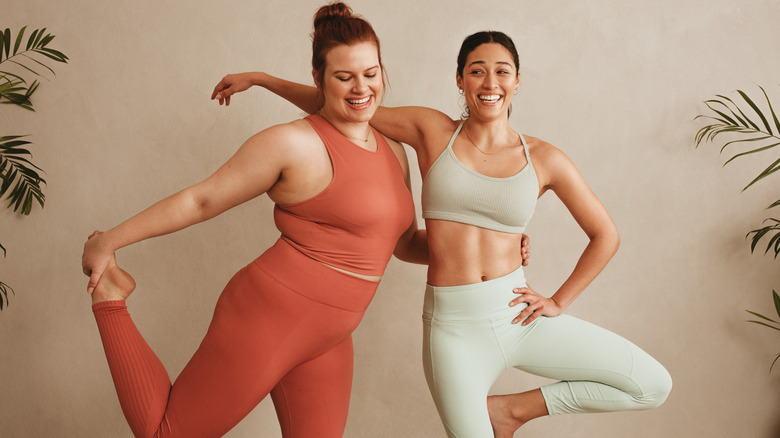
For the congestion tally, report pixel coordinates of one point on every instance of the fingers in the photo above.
(220, 86)
(93, 281)
(533, 309)
(222, 92)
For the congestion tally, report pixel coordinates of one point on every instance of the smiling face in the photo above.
(489, 79)
(351, 83)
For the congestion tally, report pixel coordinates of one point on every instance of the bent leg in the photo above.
(599, 370)
(313, 398)
(141, 382)
(261, 329)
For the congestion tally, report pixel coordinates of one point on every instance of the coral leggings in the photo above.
(282, 325)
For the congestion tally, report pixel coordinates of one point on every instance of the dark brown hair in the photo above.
(335, 25)
(477, 39)
(489, 36)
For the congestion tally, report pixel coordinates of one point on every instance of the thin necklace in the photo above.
(489, 153)
(368, 134)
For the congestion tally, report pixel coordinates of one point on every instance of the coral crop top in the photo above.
(452, 191)
(355, 222)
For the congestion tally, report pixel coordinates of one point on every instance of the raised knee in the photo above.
(656, 389)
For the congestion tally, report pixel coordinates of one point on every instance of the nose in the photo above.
(490, 81)
(361, 84)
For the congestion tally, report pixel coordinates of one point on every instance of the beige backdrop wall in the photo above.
(615, 84)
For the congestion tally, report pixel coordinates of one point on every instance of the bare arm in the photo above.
(561, 176)
(416, 126)
(254, 169)
(300, 95)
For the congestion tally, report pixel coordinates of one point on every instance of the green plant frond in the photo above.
(4, 289)
(774, 204)
(6, 40)
(24, 67)
(31, 40)
(19, 179)
(774, 362)
(3, 249)
(764, 324)
(756, 109)
(774, 241)
(55, 55)
(772, 168)
(38, 62)
(751, 151)
(762, 316)
(722, 114)
(771, 110)
(745, 120)
(5, 75)
(19, 38)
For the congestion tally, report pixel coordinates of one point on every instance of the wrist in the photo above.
(259, 78)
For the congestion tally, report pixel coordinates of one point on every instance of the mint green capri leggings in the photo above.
(469, 341)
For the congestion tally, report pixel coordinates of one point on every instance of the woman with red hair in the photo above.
(283, 323)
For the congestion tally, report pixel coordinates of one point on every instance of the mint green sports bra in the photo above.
(453, 192)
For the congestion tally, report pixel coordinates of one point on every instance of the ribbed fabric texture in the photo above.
(355, 222)
(141, 381)
(265, 337)
(452, 191)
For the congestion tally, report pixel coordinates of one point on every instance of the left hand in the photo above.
(231, 84)
(538, 305)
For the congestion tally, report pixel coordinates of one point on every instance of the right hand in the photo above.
(231, 84)
(95, 259)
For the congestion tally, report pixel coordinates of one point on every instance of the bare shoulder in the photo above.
(545, 154)
(289, 140)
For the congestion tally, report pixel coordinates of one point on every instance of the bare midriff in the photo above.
(374, 278)
(466, 254)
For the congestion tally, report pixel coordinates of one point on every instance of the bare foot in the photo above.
(501, 418)
(114, 285)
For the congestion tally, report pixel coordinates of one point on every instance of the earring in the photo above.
(516, 90)
(460, 91)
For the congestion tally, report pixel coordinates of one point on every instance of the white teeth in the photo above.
(359, 101)
(490, 98)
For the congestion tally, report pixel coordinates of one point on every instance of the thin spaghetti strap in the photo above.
(525, 148)
(452, 140)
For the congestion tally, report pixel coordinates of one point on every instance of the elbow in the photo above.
(615, 240)
(607, 238)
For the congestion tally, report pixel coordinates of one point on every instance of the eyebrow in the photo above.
(484, 63)
(349, 72)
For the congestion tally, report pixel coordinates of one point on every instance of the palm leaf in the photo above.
(755, 108)
(18, 176)
(25, 59)
(764, 324)
(746, 118)
(771, 110)
(4, 289)
(761, 316)
(730, 118)
(770, 230)
(774, 362)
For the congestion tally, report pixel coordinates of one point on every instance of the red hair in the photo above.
(335, 25)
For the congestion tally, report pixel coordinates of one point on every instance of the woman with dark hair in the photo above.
(283, 323)
(481, 180)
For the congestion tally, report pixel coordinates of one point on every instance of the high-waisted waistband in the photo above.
(485, 300)
(314, 280)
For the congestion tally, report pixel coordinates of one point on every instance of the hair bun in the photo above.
(331, 11)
